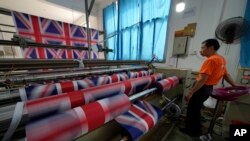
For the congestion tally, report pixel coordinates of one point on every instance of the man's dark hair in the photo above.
(212, 42)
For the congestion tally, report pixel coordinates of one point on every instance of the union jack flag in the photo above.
(80, 39)
(80, 120)
(140, 118)
(43, 30)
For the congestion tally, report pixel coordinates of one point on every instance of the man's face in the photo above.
(204, 50)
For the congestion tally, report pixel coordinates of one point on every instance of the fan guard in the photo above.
(231, 29)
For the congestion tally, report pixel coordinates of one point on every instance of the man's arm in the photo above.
(229, 79)
(199, 83)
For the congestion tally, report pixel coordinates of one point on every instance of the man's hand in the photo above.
(188, 96)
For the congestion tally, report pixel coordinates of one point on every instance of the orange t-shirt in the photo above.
(215, 68)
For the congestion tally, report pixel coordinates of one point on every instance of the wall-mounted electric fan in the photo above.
(231, 29)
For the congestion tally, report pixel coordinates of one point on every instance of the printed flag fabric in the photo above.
(106, 79)
(58, 103)
(42, 30)
(139, 73)
(140, 118)
(34, 92)
(166, 84)
(71, 124)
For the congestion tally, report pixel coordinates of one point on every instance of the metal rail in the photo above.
(30, 44)
(2, 24)
(5, 31)
(62, 75)
(34, 64)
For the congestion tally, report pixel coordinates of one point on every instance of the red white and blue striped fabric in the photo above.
(58, 103)
(139, 84)
(139, 73)
(43, 30)
(79, 34)
(34, 92)
(120, 76)
(140, 118)
(167, 83)
(109, 79)
(66, 101)
(71, 124)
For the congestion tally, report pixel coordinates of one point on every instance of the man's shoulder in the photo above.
(215, 57)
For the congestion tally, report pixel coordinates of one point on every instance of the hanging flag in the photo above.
(47, 31)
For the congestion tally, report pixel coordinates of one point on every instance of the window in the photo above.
(137, 31)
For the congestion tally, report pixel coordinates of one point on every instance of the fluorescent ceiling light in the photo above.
(180, 7)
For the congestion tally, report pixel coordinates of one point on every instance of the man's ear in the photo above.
(211, 47)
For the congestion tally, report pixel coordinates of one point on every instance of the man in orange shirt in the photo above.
(211, 72)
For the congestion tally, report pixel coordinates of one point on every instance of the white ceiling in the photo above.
(61, 10)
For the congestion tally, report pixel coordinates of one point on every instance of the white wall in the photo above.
(9, 51)
(100, 8)
(208, 14)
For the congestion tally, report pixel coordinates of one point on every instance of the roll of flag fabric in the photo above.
(119, 77)
(140, 84)
(106, 79)
(122, 76)
(140, 118)
(54, 104)
(58, 103)
(133, 74)
(155, 78)
(34, 92)
(71, 124)
(167, 83)
(139, 73)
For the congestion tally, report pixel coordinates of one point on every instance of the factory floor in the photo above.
(176, 135)
(168, 130)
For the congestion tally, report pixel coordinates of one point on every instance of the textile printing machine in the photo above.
(88, 100)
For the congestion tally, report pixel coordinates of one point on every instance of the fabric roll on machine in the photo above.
(87, 100)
